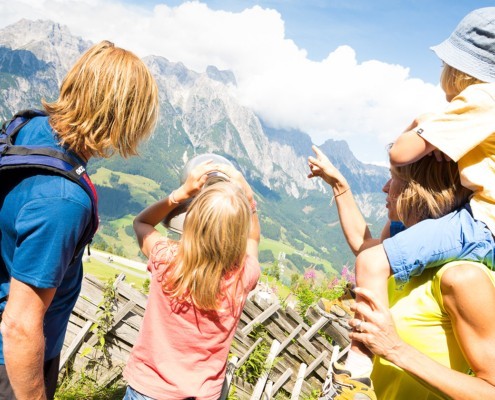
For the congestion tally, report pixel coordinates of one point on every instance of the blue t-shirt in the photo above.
(42, 219)
(396, 227)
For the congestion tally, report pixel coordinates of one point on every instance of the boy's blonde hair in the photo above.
(431, 189)
(108, 102)
(213, 244)
(454, 81)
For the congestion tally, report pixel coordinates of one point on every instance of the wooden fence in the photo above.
(297, 363)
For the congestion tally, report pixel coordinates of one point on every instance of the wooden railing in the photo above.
(298, 360)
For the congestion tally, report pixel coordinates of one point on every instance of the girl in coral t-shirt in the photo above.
(198, 288)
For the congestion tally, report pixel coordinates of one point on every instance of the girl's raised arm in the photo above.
(145, 222)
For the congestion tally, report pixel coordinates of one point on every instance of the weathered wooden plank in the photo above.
(119, 279)
(321, 343)
(292, 314)
(308, 346)
(299, 381)
(267, 394)
(128, 293)
(315, 328)
(281, 381)
(128, 307)
(125, 333)
(281, 319)
(229, 374)
(337, 333)
(297, 354)
(239, 347)
(287, 341)
(274, 330)
(261, 318)
(76, 343)
(335, 329)
(252, 308)
(316, 363)
(260, 385)
(248, 353)
(244, 390)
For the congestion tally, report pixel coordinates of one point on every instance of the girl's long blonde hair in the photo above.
(431, 189)
(108, 102)
(213, 244)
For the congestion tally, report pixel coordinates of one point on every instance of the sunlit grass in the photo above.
(103, 272)
(278, 247)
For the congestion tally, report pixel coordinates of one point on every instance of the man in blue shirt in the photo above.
(108, 103)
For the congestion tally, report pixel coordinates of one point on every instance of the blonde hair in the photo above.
(213, 244)
(431, 189)
(108, 102)
(454, 81)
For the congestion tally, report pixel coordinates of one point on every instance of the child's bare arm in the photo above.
(410, 146)
(145, 222)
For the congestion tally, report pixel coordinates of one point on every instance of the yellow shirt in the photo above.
(465, 131)
(421, 321)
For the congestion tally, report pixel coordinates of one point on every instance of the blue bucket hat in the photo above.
(471, 47)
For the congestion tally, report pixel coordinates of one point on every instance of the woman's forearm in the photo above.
(472, 325)
(439, 378)
(353, 224)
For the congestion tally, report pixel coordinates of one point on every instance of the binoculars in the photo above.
(174, 221)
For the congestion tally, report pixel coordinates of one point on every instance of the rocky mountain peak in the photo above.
(161, 67)
(49, 41)
(225, 76)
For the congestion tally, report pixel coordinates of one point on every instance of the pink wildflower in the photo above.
(310, 274)
(335, 282)
(348, 275)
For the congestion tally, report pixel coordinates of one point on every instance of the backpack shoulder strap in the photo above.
(14, 157)
(11, 127)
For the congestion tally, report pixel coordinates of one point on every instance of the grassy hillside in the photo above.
(122, 196)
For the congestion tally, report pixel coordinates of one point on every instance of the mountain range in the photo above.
(199, 113)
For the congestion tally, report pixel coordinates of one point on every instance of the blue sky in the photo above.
(357, 70)
(393, 31)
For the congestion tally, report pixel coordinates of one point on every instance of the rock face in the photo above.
(34, 57)
(48, 41)
(205, 108)
(199, 113)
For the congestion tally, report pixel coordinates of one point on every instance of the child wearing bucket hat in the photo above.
(198, 288)
(463, 132)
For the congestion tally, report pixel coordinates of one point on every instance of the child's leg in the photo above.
(372, 272)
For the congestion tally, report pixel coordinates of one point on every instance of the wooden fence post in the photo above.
(299, 381)
(260, 385)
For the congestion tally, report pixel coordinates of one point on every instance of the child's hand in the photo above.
(195, 181)
(322, 167)
(236, 177)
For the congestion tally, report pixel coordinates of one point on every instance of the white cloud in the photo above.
(367, 104)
